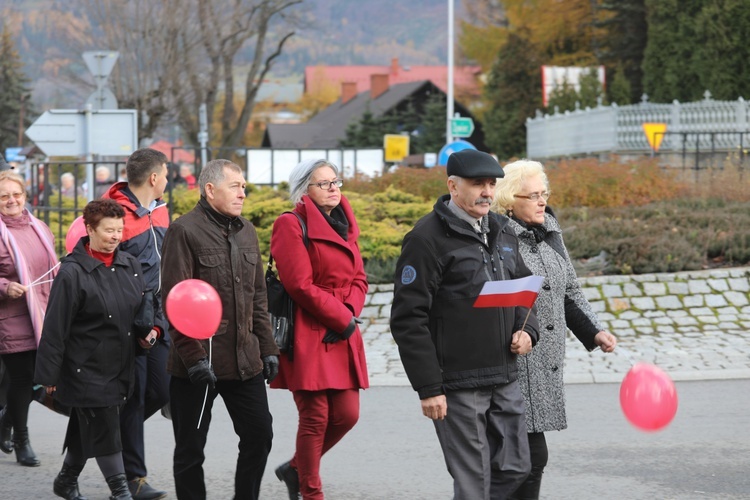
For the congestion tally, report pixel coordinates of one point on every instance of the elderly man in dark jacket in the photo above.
(462, 360)
(214, 244)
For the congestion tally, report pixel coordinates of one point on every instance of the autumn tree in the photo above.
(181, 53)
(14, 92)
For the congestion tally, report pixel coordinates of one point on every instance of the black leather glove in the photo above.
(330, 337)
(202, 373)
(270, 367)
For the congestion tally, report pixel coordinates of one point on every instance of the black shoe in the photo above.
(66, 482)
(141, 490)
(21, 445)
(6, 427)
(118, 485)
(285, 472)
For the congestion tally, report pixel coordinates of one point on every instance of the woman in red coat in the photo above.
(328, 283)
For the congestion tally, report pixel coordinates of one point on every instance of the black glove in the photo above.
(270, 367)
(202, 373)
(330, 337)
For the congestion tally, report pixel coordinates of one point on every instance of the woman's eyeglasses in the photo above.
(327, 184)
(534, 196)
(16, 196)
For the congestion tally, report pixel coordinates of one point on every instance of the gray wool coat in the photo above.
(560, 305)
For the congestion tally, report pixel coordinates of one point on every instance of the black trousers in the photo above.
(530, 488)
(150, 394)
(247, 404)
(20, 369)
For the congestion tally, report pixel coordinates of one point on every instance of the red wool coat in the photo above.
(328, 283)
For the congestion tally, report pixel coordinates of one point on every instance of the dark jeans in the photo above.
(247, 404)
(20, 370)
(529, 490)
(150, 394)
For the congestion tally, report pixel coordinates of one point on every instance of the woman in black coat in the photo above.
(86, 353)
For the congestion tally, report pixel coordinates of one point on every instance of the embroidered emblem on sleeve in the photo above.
(408, 275)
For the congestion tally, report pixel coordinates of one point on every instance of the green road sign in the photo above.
(462, 127)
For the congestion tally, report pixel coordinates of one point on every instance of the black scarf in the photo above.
(338, 221)
(539, 232)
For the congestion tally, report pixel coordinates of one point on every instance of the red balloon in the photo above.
(648, 397)
(194, 308)
(76, 231)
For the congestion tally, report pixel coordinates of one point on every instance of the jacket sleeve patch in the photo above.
(408, 275)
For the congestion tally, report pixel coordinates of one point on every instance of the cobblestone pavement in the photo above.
(708, 355)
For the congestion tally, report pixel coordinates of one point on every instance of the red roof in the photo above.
(180, 155)
(465, 78)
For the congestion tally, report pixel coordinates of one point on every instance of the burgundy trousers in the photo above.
(324, 418)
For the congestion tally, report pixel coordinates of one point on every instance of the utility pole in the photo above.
(449, 103)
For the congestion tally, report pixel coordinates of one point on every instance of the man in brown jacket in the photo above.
(215, 244)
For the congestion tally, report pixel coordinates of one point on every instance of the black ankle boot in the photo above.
(24, 454)
(66, 482)
(6, 427)
(288, 474)
(118, 485)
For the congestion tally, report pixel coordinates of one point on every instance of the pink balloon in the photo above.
(76, 231)
(194, 308)
(648, 397)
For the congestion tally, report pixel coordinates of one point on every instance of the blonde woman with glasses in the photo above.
(522, 195)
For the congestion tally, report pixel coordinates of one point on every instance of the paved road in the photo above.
(393, 452)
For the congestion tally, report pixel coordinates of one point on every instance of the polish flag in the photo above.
(510, 293)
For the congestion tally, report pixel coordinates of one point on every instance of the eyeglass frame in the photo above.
(534, 196)
(16, 196)
(335, 182)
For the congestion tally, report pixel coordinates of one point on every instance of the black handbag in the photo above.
(281, 305)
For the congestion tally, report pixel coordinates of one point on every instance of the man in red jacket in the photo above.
(146, 221)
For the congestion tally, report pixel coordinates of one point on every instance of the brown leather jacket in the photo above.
(222, 251)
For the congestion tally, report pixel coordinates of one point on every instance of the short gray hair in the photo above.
(301, 175)
(213, 173)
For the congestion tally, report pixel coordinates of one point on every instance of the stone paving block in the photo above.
(732, 318)
(629, 315)
(631, 290)
(663, 321)
(605, 316)
(381, 298)
(701, 311)
(618, 323)
(693, 300)
(715, 300)
(610, 291)
(643, 303)
(720, 285)
(641, 322)
(370, 312)
(598, 306)
(727, 325)
(654, 314)
(591, 293)
(736, 298)
(686, 320)
(698, 286)
(739, 284)
(618, 304)
(677, 313)
(678, 288)
(653, 289)
(385, 311)
(708, 319)
(668, 302)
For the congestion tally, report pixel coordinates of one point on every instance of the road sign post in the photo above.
(462, 127)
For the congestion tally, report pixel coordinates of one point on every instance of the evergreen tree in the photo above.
(513, 93)
(563, 98)
(623, 44)
(591, 89)
(721, 58)
(14, 92)
(619, 90)
(431, 130)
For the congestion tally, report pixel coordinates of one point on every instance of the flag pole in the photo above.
(526, 319)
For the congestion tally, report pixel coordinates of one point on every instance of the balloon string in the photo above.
(36, 281)
(627, 353)
(205, 396)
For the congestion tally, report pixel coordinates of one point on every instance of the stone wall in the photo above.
(692, 301)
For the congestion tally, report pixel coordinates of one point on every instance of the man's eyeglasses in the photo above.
(534, 196)
(16, 196)
(327, 184)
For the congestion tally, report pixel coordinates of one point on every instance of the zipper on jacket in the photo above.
(156, 248)
(486, 266)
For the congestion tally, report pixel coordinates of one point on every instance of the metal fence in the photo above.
(269, 167)
(693, 128)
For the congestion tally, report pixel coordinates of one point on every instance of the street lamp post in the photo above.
(449, 99)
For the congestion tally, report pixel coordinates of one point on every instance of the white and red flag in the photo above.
(510, 293)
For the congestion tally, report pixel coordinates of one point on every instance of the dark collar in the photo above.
(221, 220)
